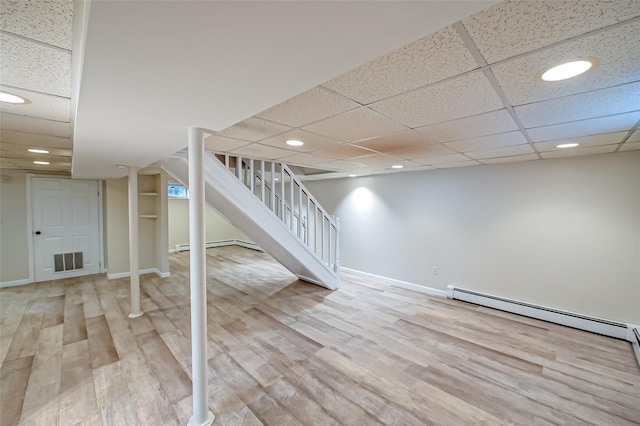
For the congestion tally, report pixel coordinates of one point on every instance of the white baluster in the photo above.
(252, 178)
(337, 243)
(272, 201)
(262, 180)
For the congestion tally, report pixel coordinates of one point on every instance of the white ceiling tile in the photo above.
(305, 159)
(217, 143)
(514, 27)
(457, 164)
(406, 144)
(501, 152)
(253, 129)
(311, 106)
(343, 152)
(451, 158)
(592, 126)
(261, 152)
(611, 101)
(34, 140)
(425, 61)
(41, 106)
(6, 163)
(34, 66)
(512, 159)
(618, 50)
(48, 21)
(355, 125)
(20, 149)
(488, 142)
(579, 151)
(378, 160)
(463, 96)
(630, 146)
(584, 141)
(471, 127)
(341, 165)
(311, 141)
(22, 123)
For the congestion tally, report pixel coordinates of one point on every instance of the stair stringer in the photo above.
(227, 195)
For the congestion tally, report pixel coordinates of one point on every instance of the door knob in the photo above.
(38, 232)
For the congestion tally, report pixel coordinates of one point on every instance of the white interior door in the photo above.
(66, 237)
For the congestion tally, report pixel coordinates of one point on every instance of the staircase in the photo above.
(267, 202)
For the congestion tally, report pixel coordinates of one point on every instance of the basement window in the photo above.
(178, 191)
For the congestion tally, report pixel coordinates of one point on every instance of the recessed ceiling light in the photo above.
(568, 70)
(276, 179)
(352, 175)
(397, 166)
(567, 145)
(38, 151)
(41, 162)
(12, 99)
(294, 142)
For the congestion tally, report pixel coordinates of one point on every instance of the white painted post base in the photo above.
(136, 315)
(208, 422)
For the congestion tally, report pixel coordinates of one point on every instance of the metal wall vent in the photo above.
(68, 261)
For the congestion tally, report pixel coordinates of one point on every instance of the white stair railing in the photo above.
(278, 188)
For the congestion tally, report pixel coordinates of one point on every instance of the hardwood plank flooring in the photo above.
(283, 352)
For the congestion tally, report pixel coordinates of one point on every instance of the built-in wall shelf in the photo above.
(151, 194)
(149, 216)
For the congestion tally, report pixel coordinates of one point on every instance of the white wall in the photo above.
(153, 250)
(217, 227)
(14, 261)
(563, 233)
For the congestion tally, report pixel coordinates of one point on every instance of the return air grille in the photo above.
(68, 261)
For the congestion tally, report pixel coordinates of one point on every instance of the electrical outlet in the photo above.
(435, 270)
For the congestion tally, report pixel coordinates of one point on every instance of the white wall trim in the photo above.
(141, 272)
(403, 284)
(222, 243)
(16, 282)
(30, 252)
(246, 244)
(103, 267)
(592, 324)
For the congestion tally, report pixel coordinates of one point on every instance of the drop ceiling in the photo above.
(364, 84)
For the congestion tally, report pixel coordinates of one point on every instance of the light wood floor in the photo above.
(282, 352)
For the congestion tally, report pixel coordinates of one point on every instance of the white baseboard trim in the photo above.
(15, 282)
(403, 284)
(246, 244)
(141, 272)
(602, 326)
(223, 243)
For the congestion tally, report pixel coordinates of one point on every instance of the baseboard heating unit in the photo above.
(582, 322)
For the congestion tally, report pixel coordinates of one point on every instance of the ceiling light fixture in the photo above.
(38, 151)
(568, 69)
(567, 145)
(12, 99)
(397, 166)
(352, 175)
(41, 162)
(294, 142)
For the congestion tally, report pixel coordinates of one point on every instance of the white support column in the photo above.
(201, 414)
(134, 266)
